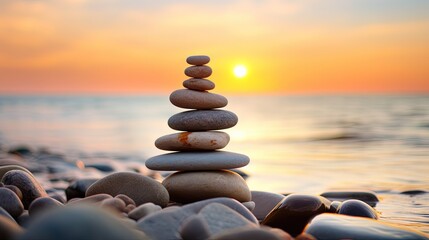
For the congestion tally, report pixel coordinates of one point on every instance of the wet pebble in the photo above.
(357, 208)
(29, 186)
(77, 189)
(10, 202)
(337, 226)
(367, 196)
(294, 212)
(140, 188)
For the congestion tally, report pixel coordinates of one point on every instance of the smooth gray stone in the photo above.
(367, 196)
(192, 161)
(245, 233)
(202, 120)
(43, 204)
(195, 228)
(70, 223)
(264, 203)
(336, 226)
(198, 71)
(249, 205)
(220, 218)
(165, 224)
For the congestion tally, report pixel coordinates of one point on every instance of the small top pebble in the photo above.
(198, 60)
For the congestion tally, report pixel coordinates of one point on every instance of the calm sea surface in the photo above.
(304, 144)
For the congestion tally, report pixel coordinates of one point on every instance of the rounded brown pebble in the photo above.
(7, 168)
(29, 186)
(43, 204)
(185, 98)
(199, 84)
(140, 188)
(127, 200)
(9, 229)
(202, 120)
(143, 210)
(198, 60)
(10, 202)
(115, 204)
(193, 141)
(15, 189)
(198, 71)
(186, 187)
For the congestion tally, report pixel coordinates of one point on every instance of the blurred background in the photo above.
(329, 94)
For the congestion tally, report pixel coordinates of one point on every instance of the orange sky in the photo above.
(133, 46)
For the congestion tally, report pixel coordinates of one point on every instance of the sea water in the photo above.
(306, 144)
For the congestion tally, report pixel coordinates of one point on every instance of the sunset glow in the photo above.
(240, 71)
(137, 47)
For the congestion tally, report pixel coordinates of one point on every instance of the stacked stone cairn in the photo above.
(202, 170)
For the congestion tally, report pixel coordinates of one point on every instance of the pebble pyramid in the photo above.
(202, 169)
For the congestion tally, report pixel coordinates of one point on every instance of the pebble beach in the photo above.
(193, 189)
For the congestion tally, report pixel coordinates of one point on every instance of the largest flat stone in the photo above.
(195, 161)
(202, 120)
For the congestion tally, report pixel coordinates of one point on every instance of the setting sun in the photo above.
(240, 71)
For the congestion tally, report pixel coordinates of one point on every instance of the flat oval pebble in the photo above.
(10, 202)
(202, 120)
(29, 186)
(198, 71)
(140, 188)
(198, 60)
(358, 208)
(294, 212)
(193, 141)
(337, 226)
(191, 99)
(193, 161)
(199, 84)
(186, 187)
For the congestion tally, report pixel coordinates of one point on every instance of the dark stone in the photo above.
(413, 192)
(43, 204)
(20, 151)
(336, 226)
(77, 189)
(70, 223)
(101, 167)
(10, 202)
(294, 212)
(24, 219)
(30, 188)
(15, 189)
(335, 206)
(357, 208)
(9, 229)
(367, 196)
(4, 213)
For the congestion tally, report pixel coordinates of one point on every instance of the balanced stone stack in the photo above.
(202, 169)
